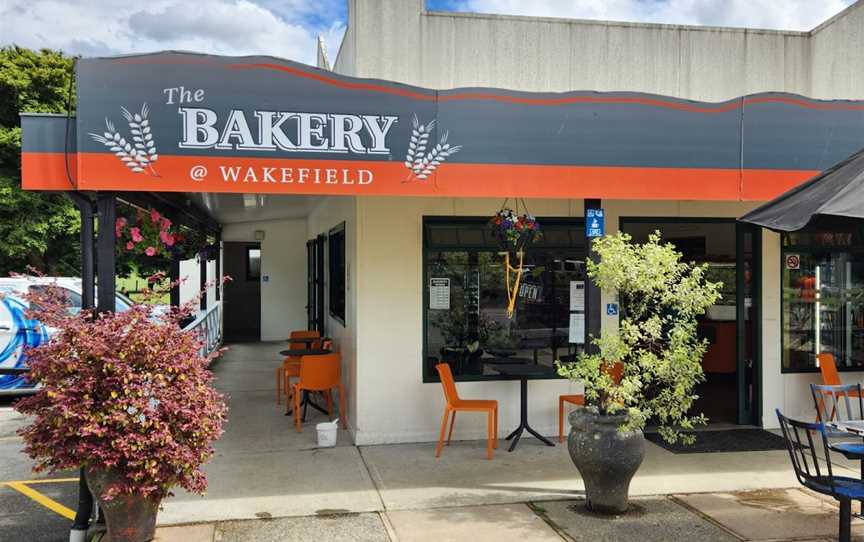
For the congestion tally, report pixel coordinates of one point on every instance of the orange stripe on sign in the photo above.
(47, 171)
(100, 171)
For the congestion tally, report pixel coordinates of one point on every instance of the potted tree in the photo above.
(127, 396)
(646, 370)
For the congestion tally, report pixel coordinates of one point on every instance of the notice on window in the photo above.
(577, 295)
(577, 328)
(439, 294)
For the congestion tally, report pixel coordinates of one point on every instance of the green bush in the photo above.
(656, 341)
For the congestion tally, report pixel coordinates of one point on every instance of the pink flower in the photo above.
(136, 234)
(167, 238)
(150, 251)
(154, 216)
(119, 224)
(130, 245)
(165, 223)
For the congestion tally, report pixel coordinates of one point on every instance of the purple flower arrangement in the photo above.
(514, 231)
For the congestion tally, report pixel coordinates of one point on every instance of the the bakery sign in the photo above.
(202, 123)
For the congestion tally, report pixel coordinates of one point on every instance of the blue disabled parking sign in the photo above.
(595, 223)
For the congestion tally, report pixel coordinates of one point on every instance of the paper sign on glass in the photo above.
(439, 294)
(577, 295)
(577, 328)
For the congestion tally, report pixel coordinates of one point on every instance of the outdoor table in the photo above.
(536, 345)
(501, 352)
(307, 340)
(307, 401)
(297, 352)
(523, 372)
(505, 361)
(854, 428)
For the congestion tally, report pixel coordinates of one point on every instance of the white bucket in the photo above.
(327, 432)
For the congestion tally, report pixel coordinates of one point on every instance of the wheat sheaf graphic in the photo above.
(139, 155)
(422, 163)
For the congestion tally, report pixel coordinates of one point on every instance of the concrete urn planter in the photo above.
(129, 518)
(606, 458)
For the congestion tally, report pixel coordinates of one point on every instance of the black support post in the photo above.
(106, 205)
(202, 278)
(88, 279)
(592, 292)
(174, 277)
(84, 510)
(218, 276)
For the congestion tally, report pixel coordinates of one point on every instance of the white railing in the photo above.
(209, 325)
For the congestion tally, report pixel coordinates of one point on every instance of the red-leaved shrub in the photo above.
(127, 391)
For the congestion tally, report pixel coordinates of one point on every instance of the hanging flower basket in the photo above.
(514, 231)
(150, 234)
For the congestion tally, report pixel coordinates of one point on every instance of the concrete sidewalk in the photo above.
(762, 515)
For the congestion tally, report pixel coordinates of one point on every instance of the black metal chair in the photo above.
(806, 461)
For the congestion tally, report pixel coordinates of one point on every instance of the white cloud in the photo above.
(228, 27)
(774, 14)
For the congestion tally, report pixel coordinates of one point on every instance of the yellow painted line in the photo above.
(47, 502)
(41, 481)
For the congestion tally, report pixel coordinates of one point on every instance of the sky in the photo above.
(289, 28)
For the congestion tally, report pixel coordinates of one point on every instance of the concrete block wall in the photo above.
(399, 40)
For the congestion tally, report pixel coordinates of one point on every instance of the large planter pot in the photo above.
(129, 518)
(606, 458)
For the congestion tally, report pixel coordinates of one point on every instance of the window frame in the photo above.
(787, 248)
(433, 378)
(332, 286)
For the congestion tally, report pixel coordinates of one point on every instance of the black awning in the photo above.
(836, 192)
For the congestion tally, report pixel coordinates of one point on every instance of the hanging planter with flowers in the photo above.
(514, 232)
(150, 234)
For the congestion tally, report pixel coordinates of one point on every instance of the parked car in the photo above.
(17, 332)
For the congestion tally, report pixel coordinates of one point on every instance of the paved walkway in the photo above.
(268, 482)
(767, 515)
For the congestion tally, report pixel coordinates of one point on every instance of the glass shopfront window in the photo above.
(465, 299)
(823, 299)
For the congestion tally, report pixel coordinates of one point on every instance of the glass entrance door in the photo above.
(749, 315)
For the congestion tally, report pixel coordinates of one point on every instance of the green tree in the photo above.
(656, 342)
(36, 228)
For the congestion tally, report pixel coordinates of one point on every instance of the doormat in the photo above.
(727, 440)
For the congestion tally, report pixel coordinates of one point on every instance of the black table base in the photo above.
(306, 402)
(523, 419)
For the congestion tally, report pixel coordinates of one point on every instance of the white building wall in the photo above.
(191, 279)
(283, 260)
(394, 403)
(838, 55)
(399, 40)
(327, 214)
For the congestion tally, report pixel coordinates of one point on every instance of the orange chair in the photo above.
(830, 377)
(616, 371)
(291, 369)
(285, 368)
(320, 373)
(454, 403)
